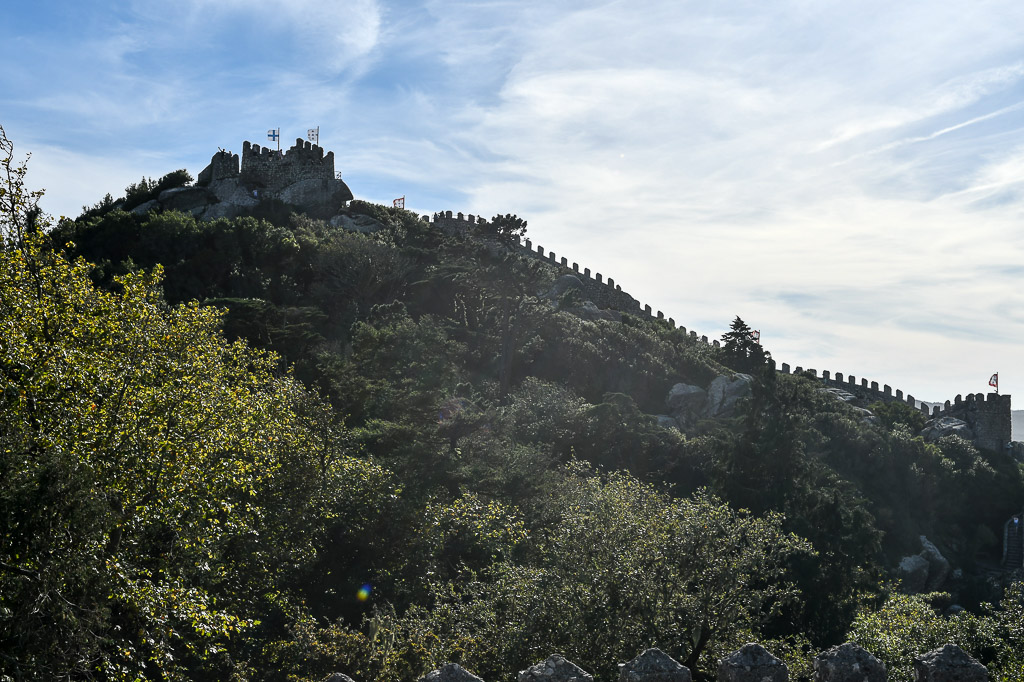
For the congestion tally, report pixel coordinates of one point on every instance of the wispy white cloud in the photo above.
(847, 176)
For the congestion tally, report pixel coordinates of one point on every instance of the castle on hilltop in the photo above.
(302, 176)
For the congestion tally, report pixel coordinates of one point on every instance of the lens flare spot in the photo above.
(364, 592)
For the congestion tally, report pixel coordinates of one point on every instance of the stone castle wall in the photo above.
(988, 417)
(274, 170)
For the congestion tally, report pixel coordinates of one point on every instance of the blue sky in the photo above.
(847, 177)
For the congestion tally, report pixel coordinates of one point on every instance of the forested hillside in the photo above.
(267, 448)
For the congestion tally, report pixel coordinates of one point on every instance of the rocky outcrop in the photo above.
(301, 177)
(555, 669)
(752, 663)
(926, 571)
(654, 665)
(938, 566)
(913, 574)
(357, 223)
(934, 429)
(848, 663)
(686, 398)
(948, 664)
(725, 392)
(450, 672)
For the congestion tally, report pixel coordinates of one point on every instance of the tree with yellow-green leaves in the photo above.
(160, 484)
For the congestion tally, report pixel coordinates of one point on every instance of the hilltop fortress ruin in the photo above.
(302, 177)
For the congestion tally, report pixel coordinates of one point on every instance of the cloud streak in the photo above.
(847, 177)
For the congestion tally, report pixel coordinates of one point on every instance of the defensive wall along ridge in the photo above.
(751, 663)
(988, 416)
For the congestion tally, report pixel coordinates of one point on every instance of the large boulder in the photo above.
(949, 663)
(686, 402)
(232, 191)
(938, 566)
(450, 672)
(913, 574)
(220, 210)
(867, 416)
(654, 665)
(724, 392)
(146, 207)
(752, 663)
(589, 311)
(306, 193)
(555, 669)
(848, 663)
(563, 284)
(186, 199)
(934, 429)
(356, 223)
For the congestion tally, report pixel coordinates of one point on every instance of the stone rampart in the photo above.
(988, 416)
(603, 291)
(274, 170)
(752, 663)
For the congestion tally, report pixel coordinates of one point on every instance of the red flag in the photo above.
(994, 381)
(399, 203)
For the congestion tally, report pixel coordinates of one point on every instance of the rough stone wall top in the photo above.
(222, 165)
(274, 170)
(752, 663)
(556, 669)
(848, 663)
(450, 672)
(948, 664)
(654, 665)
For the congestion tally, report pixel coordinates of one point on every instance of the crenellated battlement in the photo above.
(274, 170)
(988, 416)
(301, 176)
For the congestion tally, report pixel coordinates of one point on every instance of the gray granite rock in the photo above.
(934, 429)
(752, 663)
(724, 392)
(948, 664)
(186, 198)
(848, 663)
(654, 665)
(311, 192)
(913, 574)
(145, 207)
(556, 669)
(938, 566)
(450, 672)
(686, 399)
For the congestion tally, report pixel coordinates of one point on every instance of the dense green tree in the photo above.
(624, 567)
(741, 349)
(159, 482)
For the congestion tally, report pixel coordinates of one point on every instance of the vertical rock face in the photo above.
(555, 669)
(949, 663)
(654, 665)
(752, 663)
(450, 672)
(848, 663)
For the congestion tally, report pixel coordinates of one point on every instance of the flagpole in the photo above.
(278, 138)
